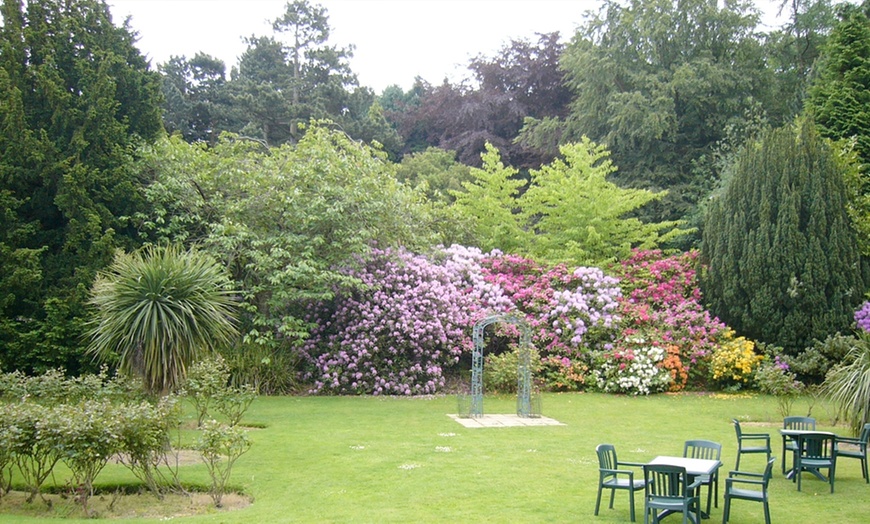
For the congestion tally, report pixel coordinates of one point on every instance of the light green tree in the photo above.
(489, 204)
(159, 310)
(579, 217)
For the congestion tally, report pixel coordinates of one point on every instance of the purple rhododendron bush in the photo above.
(407, 324)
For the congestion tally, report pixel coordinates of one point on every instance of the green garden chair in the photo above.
(857, 449)
(743, 485)
(667, 490)
(788, 443)
(816, 451)
(709, 450)
(750, 443)
(613, 478)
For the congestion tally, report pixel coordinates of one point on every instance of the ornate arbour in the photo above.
(524, 379)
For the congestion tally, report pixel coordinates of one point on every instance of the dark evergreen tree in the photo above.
(783, 265)
(77, 97)
(839, 96)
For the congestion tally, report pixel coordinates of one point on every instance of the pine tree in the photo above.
(783, 262)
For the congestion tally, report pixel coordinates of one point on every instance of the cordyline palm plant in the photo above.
(848, 384)
(158, 310)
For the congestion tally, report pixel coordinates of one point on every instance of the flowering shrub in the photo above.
(734, 362)
(776, 379)
(570, 312)
(633, 367)
(395, 334)
(564, 374)
(862, 317)
(662, 302)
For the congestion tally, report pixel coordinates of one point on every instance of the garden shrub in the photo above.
(813, 363)
(220, 446)
(662, 302)
(734, 362)
(501, 371)
(564, 374)
(269, 370)
(395, 333)
(633, 367)
(571, 312)
(862, 317)
(773, 377)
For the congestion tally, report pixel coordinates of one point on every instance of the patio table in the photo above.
(694, 468)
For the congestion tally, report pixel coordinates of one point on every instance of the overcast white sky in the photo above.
(396, 40)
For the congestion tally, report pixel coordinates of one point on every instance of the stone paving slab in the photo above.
(504, 421)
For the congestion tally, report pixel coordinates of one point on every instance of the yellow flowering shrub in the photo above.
(734, 361)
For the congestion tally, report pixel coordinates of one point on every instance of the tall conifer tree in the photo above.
(783, 262)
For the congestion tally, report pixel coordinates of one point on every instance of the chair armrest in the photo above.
(628, 472)
(734, 474)
(695, 484)
(732, 480)
(633, 464)
(755, 436)
(847, 440)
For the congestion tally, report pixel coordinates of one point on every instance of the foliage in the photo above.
(569, 213)
(783, 262)
(580, 217)
(220, 446)
(269, 371)
(734, 362)
(36, 436)
(847, 384)
(773, 377)
(488, 202)
(501, 371)
(633, 367)
(662, 301)
(564, 374)
(839, 94)
(813, 363)
(393, 334)
(522, 79)
(158, 311)
(658, 82)
(205, 381)
(282, 220)
(77, 99)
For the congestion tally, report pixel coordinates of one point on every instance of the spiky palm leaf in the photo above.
(848, 385)
(158, 310)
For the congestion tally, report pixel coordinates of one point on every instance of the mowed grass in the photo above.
(381, 460)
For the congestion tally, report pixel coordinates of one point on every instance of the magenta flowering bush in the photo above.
(662, 303)
(862, 317)
(395, 334)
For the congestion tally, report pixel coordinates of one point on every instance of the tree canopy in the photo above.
(74, 110)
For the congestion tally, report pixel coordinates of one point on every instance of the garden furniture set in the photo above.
(673, 484)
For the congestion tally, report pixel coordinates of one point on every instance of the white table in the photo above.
(694, 468)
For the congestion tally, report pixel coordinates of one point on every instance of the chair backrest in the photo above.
(664, 480)
(817, 445)
(606, 458)
(737, 427)
(864, 436)
(802, 423)
(767, 474)
(702, 449)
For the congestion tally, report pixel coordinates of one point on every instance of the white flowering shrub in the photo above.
(633, 368)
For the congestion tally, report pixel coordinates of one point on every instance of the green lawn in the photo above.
(360, 460)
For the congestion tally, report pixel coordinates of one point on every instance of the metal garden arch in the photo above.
(524, 379)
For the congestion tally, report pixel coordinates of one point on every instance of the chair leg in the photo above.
(864, 469)
(631, 501)
(726, 510)
(709, 495)
(598, 500)
(766, 512)
(612, 494)
(737, 467)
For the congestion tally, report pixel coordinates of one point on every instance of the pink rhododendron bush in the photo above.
(406, 324)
